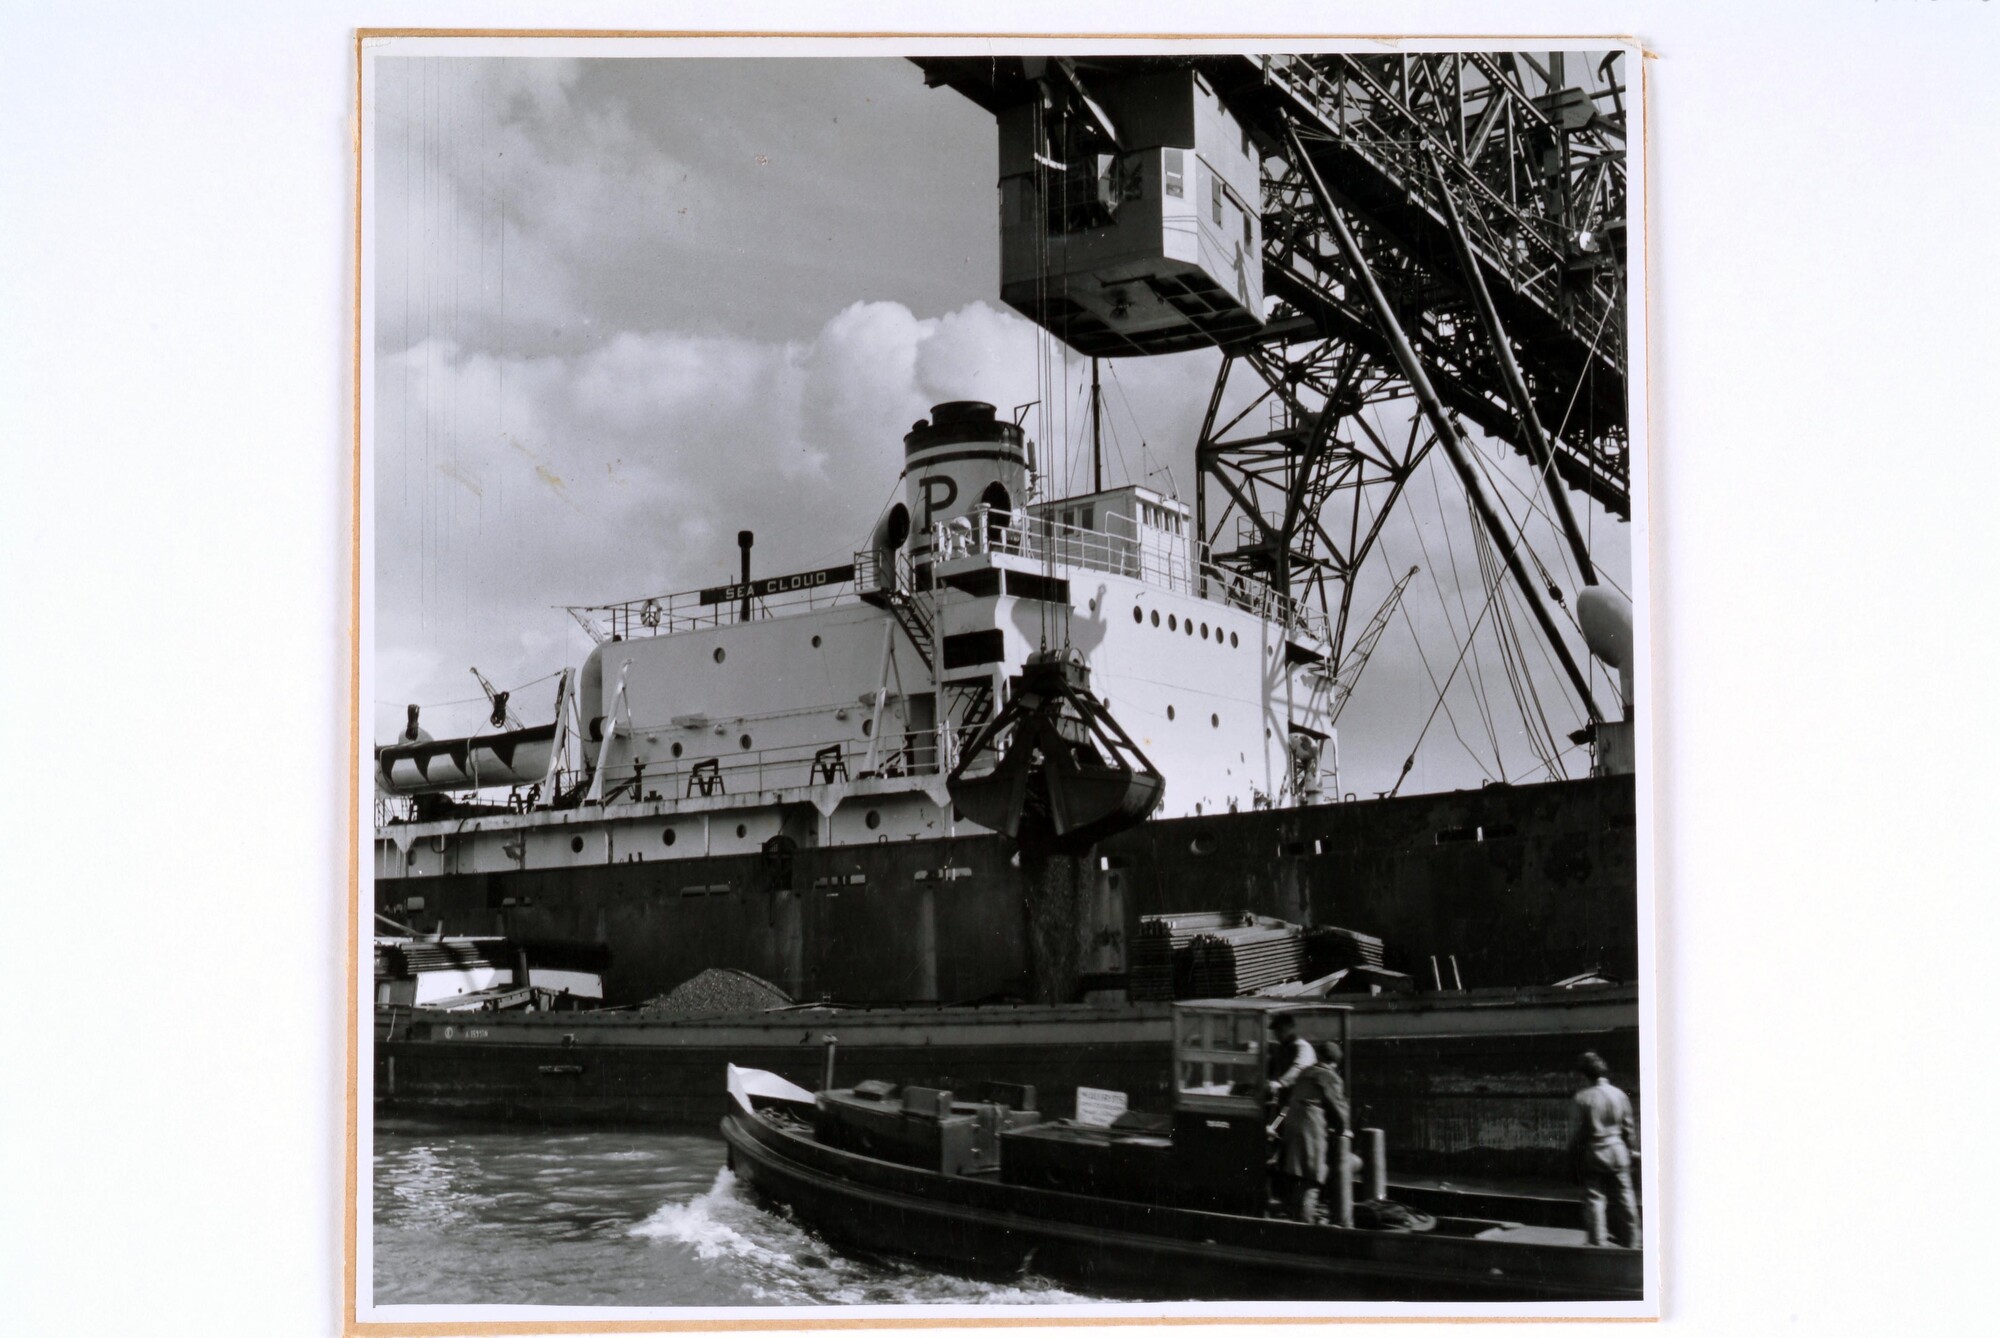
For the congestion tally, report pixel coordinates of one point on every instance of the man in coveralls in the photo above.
(1601, 1146)
(1316, 1114)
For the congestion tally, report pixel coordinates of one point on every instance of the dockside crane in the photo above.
(1349, 230)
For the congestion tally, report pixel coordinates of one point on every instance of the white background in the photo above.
(175, 278)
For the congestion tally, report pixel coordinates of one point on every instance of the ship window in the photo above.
(677, 750)
(1089, 520)
(576, 844)
(1203, 843)
(1246, 227)
(1138, 615)
(668, 837)
(1215, 198)
(1189, 625)
(741, 830)
(1170, 713)
(1173, 623)
(815, 643)
(1232, 641)
(1156, 617)
(719, 656)
(867, 728)
(744, 741)
(874, 819)
(1204, 631)
(1172, 165)
(1215, 721)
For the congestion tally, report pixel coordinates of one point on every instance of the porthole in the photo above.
(874, 819)
(1214, 721)
(576, 845)
(1156, 617)
(815, 643)
(1189, 627)
(1138, 615)
(1173, 623)
(867, 728)
(744, 742)
(741, 831)
(677, 750)
(1170, 713)
(1232, 641)
(1203, 844)
(719, 656)
(1204, 631)
(1093, 605)
(668, 837)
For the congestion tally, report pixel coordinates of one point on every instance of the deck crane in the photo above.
(503, 716)
(1340, 682)
(1348, 229)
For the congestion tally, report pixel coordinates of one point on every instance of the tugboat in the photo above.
(1154, 1208)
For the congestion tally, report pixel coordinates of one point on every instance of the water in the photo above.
(481, 1215)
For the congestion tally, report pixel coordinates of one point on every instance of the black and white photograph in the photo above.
(1004, 679)
(782, 667)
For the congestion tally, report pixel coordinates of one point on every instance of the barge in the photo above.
(1173, 1208)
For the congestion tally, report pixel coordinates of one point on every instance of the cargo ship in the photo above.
(774, 775)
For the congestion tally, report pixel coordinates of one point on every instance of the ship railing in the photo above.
(1169, 562)
(921, 752)
(688, 610)
(1119, 548)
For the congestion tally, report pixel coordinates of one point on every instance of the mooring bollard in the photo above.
(1343, 1180)
(1375, 1163)
(826, 1083)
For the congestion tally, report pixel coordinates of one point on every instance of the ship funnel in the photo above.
(1606, 619)
(963, 457)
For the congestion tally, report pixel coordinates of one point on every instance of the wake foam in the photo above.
(785, 1264)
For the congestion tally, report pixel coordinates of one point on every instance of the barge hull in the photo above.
(1466, 1085)
(1131, 1250)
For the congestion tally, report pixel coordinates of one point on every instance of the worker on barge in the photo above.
(1602, 1142)
(1290, 1055)
(1315, 1115)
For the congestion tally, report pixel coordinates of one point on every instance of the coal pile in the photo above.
(715, 992)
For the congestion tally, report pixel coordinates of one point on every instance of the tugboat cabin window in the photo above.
(1219, 1060)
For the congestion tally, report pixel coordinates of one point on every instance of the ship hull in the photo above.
(1521, 885)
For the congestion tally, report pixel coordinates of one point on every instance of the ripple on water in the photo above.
(466, 1215)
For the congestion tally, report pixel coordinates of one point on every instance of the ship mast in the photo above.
(1096, 430)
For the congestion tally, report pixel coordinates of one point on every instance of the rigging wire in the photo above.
(1480, 696)
(1403, 608)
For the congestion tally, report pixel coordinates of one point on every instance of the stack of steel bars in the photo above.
(1229, 962)
(1161, 968)
(1328, 949)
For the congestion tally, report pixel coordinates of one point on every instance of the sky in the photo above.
(624, 308)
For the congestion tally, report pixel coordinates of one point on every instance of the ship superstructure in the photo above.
(828, 708)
